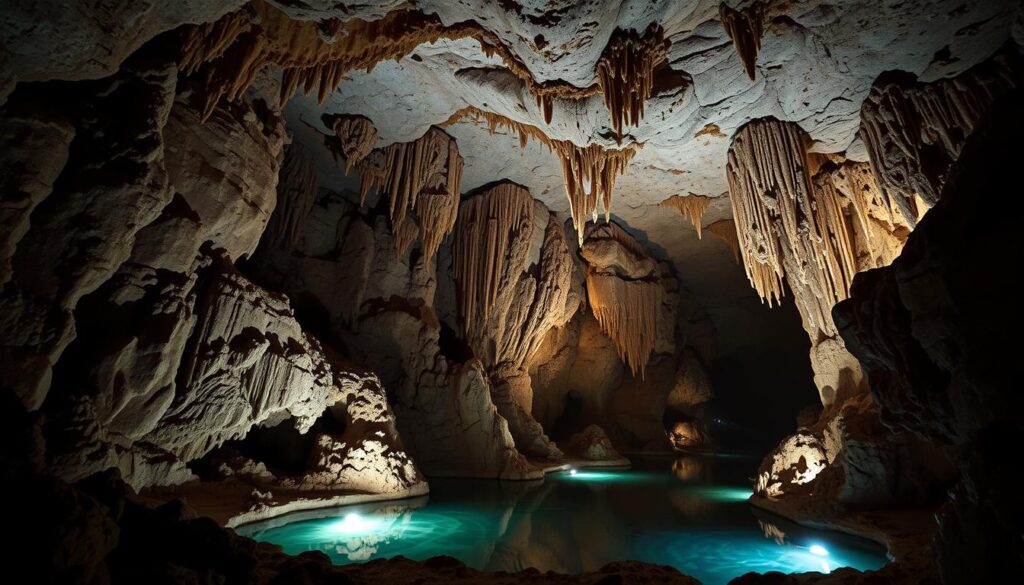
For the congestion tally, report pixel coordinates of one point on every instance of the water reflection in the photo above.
(690, 513)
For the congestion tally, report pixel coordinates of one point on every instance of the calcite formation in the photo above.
(744, 27)
(816, 233)
(505, 308)
(589, 172)
(356, 136)
(422, 180)
(692, 207)
(914, 131)
(725, 230)
(624, 292)
(626, 74)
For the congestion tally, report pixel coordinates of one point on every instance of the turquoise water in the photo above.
(690, 513)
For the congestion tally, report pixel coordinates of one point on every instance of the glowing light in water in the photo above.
(572, 471)
(817, 549)
(354, 524)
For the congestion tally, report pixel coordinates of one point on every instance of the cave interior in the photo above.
(525, 291)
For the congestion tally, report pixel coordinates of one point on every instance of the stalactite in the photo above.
(914, 131)
(690, 206)
(745, 28)
(487, 225)
(805, 230)
(589, 172)
(725, 229)
(316, 55)
(627, 309)
(625, 73)
(422, 179)
(544, 102)
(356, 137)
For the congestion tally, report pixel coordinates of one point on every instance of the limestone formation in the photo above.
(914, 131)
(356, 137)
(692, 207)
(422, 180)
(744, 27)
(814, 233)
(593, 445)
(626, 74)
(295, 196)
(589, 172)
(505, 309)
(624, 292)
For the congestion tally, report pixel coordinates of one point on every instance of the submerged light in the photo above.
(817, 549)
(354, 523)
(572, 471)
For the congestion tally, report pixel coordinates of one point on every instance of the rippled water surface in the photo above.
(689, 512)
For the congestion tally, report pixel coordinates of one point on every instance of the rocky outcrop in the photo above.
(114, 161)
(593, 445)
(449, 406)
(931, 331)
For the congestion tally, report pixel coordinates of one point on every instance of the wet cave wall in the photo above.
(271, 253)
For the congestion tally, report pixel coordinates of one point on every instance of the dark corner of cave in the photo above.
(575, 292)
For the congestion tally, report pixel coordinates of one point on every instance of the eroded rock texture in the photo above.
(160, 350)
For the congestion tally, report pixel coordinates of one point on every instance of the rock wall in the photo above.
(934, 332)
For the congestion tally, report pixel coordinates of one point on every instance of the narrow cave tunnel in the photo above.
(511, 292)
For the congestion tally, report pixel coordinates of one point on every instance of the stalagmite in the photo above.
(486, 227)
(745, 28)
(589, 172)
(625, 73)
(691, 206)
(725, 229)
(626, 306)
(914, 131)
(422, 179)
(356, 137)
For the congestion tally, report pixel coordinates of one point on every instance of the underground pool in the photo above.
(689, 512)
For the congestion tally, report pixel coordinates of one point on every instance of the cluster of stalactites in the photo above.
(725, 230)
(690, 206)
(589, 172)
(627, 309)
(625, 73)
(805, 230)
(745, 28)
(312, 55)
(487, 225)
(422, 179)
(914, 131)
(356, 137)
